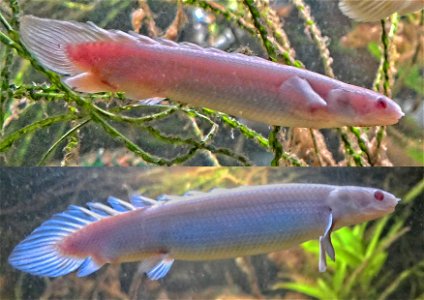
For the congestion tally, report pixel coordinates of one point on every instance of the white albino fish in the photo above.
(222, 223)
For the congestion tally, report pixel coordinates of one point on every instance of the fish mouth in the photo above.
(390, 116)
(396, 113)
(392, 205)
(380, 120)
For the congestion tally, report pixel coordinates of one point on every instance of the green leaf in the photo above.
(374, 267)
(413, 79)
(311, 246)
(376, 233)
(303, 288)
(328, 291)
(339, 276)
(374, 49)
(416, 154)
(413, 193)
(345, 238)
(352, 258)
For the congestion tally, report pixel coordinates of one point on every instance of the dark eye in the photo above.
(379, 196)
(381, 103)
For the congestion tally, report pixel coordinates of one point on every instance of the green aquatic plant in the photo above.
(54, 189)
(360, 270)
(60, 125)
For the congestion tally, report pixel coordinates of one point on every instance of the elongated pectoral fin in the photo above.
(297, 91)
(88, 82)
(325, 245)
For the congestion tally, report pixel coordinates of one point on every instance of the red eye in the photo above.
(381, 103)
(379, 196)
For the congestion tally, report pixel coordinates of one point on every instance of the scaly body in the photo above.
(215, 225)
(97, 60)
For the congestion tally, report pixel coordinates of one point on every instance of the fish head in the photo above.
(354, 106)
(352, 205)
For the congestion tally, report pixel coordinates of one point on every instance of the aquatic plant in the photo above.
(394, 270)
(50, 124)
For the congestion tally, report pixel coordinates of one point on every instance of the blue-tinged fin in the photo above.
(156, 267)
(87, 267)
(166, 197)
(140, 201)
(119, 205)
(39, 253)
(193, 193)
(161, 269)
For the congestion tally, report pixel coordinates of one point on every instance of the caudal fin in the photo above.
(40, 254)
(51, 43)
(369, 10)
(48, 39)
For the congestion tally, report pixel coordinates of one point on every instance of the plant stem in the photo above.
(8, 140)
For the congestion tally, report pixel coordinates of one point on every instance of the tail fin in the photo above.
(372, 10)
(39, 253)
(47, 40)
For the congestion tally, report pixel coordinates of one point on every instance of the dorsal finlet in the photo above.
(107, 209)
(38, 35)
(140, 201)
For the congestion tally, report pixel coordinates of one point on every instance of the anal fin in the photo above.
(156, 267)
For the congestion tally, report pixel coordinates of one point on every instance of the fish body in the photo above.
(98, 60)
(224, 223)
(375, 10)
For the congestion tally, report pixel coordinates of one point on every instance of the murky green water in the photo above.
(31, 196)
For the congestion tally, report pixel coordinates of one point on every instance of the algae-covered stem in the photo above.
(327, 60)
(94, 111)
(272, 53)
(275, 144)
(5, 92)
(384, 70)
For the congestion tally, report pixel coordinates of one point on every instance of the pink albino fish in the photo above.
(222, 223)
(98, 60)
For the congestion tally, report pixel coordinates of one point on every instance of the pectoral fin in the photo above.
(299, 93)
(325, 245)
(88, 82)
